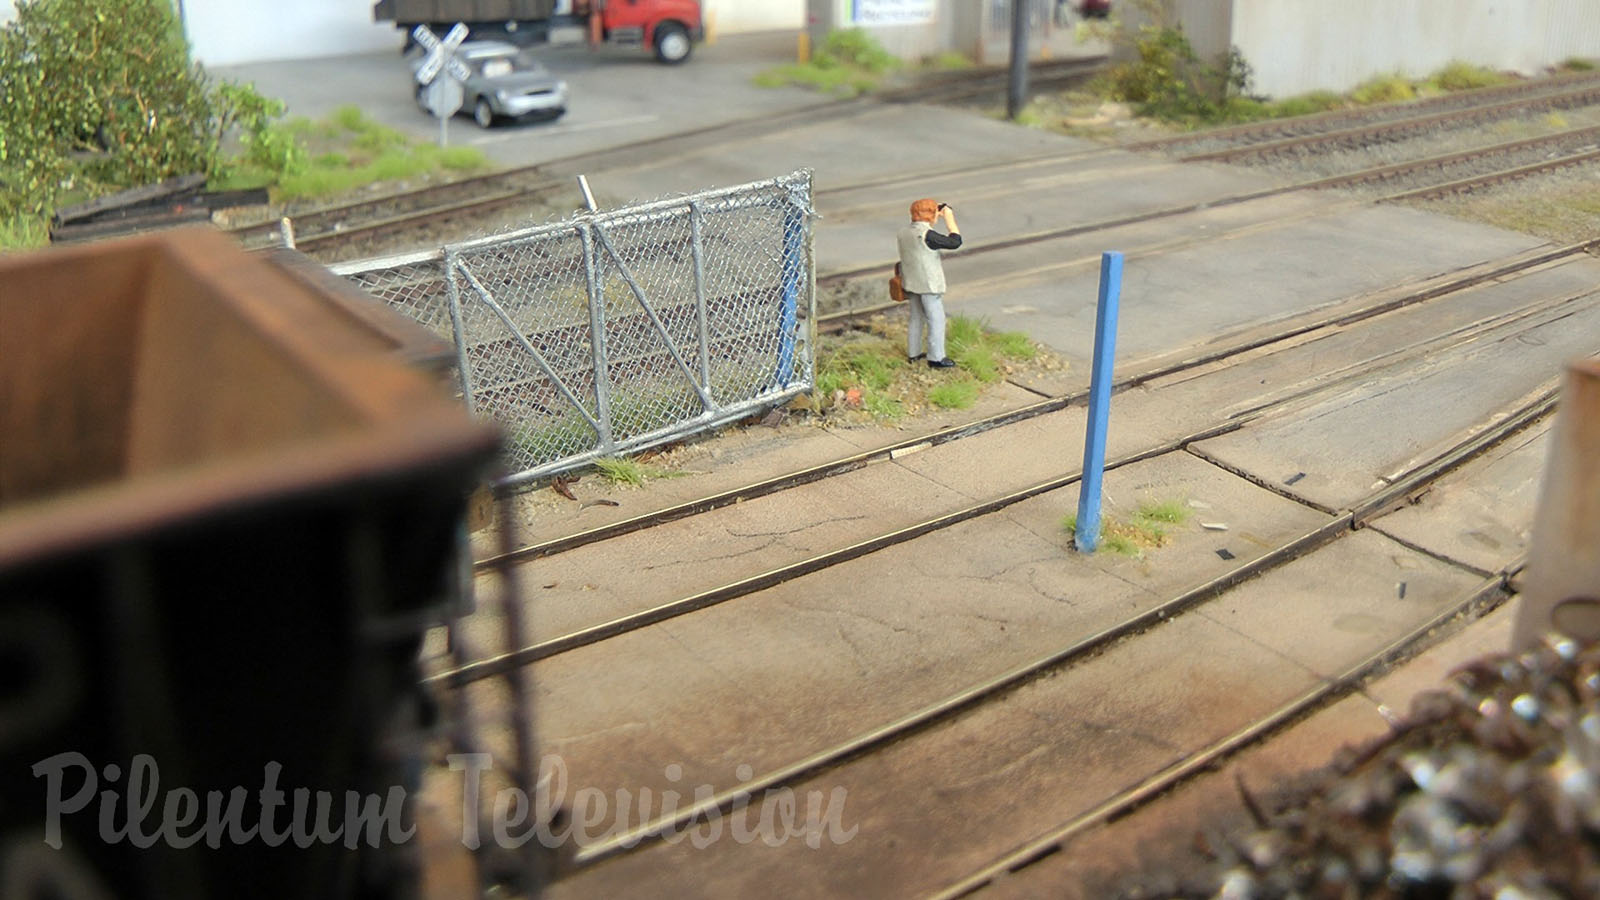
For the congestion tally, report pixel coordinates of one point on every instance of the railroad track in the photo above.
(1523, 94)
(1367, 134)
(807, 475)
(1342, 523)
(1491, 593)
(328, 229)
(489, 667)
(332, 230)
(1440, 168)
(1563, 150)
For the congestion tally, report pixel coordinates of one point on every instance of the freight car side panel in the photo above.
(462, 10)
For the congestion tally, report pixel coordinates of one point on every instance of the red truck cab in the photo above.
(669, 27)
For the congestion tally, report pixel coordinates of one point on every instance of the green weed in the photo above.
(621, 470)
(883, 407)
(350, 118)
(1392, 88)
(1304, 104)
(1460, 76)
(949, 61)
(849, 62)
(1578, 64)
(1174, 512)
(1013, 345)
(1121, 544)
(958, 393)
(1146, 528)
(463, 159)
(23, 232)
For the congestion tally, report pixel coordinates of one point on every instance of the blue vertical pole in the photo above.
(1094, 445)
(794, 248)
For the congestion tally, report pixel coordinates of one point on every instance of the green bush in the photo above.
(1168, 80)
(111, 79)
(849, 62)
(102, 96)
(855, 47)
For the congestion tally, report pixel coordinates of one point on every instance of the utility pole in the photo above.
(1017, 89)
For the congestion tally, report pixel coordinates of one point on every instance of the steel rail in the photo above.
(1400, 128)
(1375, 503)
(1494, 178)
(1333, 530)
(1277, 128)
(840, 466)
(836, 319)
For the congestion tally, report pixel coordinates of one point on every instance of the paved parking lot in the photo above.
(618, 95)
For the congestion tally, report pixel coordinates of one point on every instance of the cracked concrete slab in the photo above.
(1188, 294)
(1337, 449)
(1482, 513)
(947, 801)
(943, 802)
(767, 678)
(1383, 588)
(1092, 865)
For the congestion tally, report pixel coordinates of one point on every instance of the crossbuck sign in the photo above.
(442, 96)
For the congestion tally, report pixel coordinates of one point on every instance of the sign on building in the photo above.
(891, 12)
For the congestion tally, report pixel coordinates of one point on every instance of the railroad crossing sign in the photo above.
(442, 95)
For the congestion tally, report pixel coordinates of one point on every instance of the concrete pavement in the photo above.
(617, 96)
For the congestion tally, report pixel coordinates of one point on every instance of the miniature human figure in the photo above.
(922, 275)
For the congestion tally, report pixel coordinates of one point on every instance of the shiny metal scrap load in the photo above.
(1490, 789)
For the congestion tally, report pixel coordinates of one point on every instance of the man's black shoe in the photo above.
(946, 363)
(912, 359)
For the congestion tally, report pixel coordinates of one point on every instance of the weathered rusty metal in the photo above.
(229, 509)
(1563, 579)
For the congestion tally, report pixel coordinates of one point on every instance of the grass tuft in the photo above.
(1174, 512)
(883, 407)
(1146, 528)
(1391, 88)
(955, 394)
(1460, 76)
(1121, 544)
(23, 233)
(849, 62)
(350, 118)
(621, 470)
(949, 61)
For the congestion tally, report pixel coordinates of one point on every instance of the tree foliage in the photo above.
(99, 95)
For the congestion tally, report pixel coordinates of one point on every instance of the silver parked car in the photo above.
(507, 82)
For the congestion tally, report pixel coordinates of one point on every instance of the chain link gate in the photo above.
(615, 331)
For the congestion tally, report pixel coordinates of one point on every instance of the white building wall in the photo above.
(227, 32)
(1295, 46)
(736, 16)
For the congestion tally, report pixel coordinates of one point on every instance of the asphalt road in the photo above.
(619, 95)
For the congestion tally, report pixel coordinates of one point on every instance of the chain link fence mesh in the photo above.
(619, 330)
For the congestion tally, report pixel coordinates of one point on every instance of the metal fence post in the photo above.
(1094, 445)
(793, 250)
(697, 250)
(463, 367)
(597, 341)
(1563, 585)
